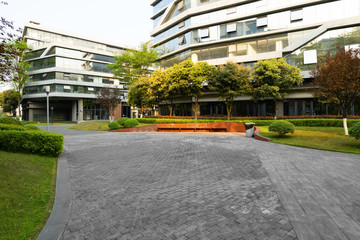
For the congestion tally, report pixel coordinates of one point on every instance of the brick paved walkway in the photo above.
(161, 186)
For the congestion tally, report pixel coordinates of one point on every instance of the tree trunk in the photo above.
(228, 109)
(19, 105)
(196, 108)
(344, 109)
(171, 109)
(276, 109)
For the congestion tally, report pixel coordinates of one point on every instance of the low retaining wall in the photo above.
(258, 136)
(188, 127)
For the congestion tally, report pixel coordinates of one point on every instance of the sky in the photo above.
(125, 22)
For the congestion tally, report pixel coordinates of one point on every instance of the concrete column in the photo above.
(327, 109)
(280, 109)
(80, 110)
(247, 109)
(296, 108)
(74, 111)
(303, 107)
(352, 109)
(311, 107)
(31, 114)
(216, 110)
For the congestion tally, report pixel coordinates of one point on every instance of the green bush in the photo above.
(282, 127)
(11, 127)
(131, 123)
(122, 120)
(146, 120)
(354, 131)
(113, 125)
(32, 127)
(37, 142)
(11, 121)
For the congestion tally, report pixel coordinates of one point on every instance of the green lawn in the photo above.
(325, 138)
(98, 125)
(55, 123)
(27, 192)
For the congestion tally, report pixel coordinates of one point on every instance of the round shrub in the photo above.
(31, 127)
(131, 123)
(113, 125)
(122, 120)
(282, 127)
(354, 131)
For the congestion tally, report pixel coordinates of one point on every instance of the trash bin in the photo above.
(249, 127)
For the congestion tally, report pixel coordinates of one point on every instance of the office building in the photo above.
(75, 69)
(245, 31)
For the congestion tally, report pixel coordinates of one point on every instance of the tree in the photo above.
(337, 80)
(9, 101)
(271, 77)
(133, 64)
(139, 94)
(9, 52)
(109, 98)
(230, 81)
(191, 79)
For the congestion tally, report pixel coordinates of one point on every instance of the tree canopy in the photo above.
(109, 98)
(230, 81)
(271, 77)
(337, 79)
(132, 64)
(9, 101)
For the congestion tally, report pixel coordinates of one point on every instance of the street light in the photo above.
(47, 90)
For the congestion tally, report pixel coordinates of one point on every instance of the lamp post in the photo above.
(52, 115)
(47, 90)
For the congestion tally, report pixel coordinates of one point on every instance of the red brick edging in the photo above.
(259, 137)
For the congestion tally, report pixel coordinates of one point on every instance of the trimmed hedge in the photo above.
(122, 120)
(11, 127)
(10, 121)
(113, 125)
(314, 122)
(354, 131)
(31, 128)
(130, 123)
(37, 142)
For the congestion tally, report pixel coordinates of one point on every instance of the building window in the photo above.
(181, 40)
(90, 89)
(261, 22)
(231, 10)
(66, 76)
(232, 48)
(204, 32)
(181, 24)
(231, 27)
(67, 88)
(310, 56)
(296, 15)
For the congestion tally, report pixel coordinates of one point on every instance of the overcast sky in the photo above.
(119, 21)
(126, 22)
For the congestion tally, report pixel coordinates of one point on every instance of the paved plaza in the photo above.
(211, 186)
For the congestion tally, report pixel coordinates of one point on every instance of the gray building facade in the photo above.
(75, 69)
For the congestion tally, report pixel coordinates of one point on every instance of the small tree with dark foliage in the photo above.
(337, 80)
(109, 98)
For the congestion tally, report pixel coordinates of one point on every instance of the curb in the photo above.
(60, 213)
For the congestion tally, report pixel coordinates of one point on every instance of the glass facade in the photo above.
(329, 41)
(39, 37)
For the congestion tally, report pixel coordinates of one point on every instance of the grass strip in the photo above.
(27, 192)
(323, 138)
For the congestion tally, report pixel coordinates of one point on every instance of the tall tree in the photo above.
(230, 81)
(139, 95)
(109, 98)
(271, 77)
(9, 52)
(133, 64)
(191, 80)
(9, 101)
(337, 80)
